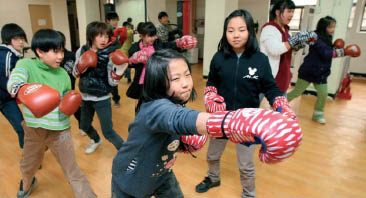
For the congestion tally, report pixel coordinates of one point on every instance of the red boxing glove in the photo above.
(338, 43)
(139, 57)
(281, 105)
(352, 50)
(121, 32)
(70, 103)
(38, 98)
(187, 42)
(279, 135)
(120, 61)
(193, 143)
(213, 101)
(86, 60)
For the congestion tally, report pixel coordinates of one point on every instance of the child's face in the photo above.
(148, 40)
(100, 41)
(237, 33)
(331, 28)
(180, 79)
(164, 20)
(286, 16)
(18, 43)
(52, 58)
(113, 22)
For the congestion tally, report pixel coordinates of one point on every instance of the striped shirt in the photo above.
(35, 71)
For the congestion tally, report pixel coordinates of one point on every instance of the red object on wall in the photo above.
(186, 17)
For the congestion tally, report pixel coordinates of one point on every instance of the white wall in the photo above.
(17, 11)
(88, 11)
(258, 9)
(357, 65)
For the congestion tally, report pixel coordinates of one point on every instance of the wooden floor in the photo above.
(330, 163)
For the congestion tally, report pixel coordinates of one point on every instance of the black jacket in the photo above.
(94, 81)
(241, 80)
(135, 89)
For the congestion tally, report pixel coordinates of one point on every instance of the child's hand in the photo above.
(187, 42)
(308, 37)
(279, 135)
(213, 101)
(139, 57)
(87, 59)
(281, 105)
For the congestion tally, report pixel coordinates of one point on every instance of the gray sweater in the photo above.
(147, 157)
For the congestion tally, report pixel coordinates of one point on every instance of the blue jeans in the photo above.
(169, 189)
(104, 112)
(13, 114)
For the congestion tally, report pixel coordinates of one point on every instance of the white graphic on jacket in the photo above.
(251, 73)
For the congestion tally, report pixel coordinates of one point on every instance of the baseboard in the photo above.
(358, 74)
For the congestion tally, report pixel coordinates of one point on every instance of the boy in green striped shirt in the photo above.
(53, 129)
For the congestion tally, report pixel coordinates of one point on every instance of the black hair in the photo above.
(129, 19)
(280, 5)
(162, 14)
(62, 35)
(321, 29)
(251, 46)
(156, 81)
(139, 26)
(47, 39)
(94, 29)
(147, 28)
(10, 31)
(124, 24)
(111, 15)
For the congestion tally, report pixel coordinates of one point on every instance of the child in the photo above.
(94, 65)
(163, 28)
(164, 126)
(11, 50)
(112, 21)
(38, 83)
(143, 49)
(276, 43)
(239, 72)
(68, 64)
(126, 46)
(316, 66)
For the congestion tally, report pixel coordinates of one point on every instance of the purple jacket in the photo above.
(316, 66)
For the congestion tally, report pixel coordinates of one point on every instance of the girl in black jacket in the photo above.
(239, 72)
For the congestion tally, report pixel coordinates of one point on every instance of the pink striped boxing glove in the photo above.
(192, 143)
(187, 42)
(213, 101)
(281, 105)
(139, 57)
(279, 135)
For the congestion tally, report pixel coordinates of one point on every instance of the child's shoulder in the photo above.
(4, 49)
(25, 62)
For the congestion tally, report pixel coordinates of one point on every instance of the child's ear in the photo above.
(278, 12)
(39, 53)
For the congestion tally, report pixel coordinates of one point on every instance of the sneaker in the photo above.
(92, 146)
(318, 116)
(82, 132)
(116, 104)
(21, 193)
(206, 184)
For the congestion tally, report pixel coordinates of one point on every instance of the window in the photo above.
(352, 15)
(363, 22)
(296, 19)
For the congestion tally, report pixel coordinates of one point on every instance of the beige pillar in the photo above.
(215, 14)
(88, 11)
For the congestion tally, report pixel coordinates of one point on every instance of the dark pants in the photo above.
(169, 189)
(128, 73)
(115, 95)
(104, 112)
(13, 114)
